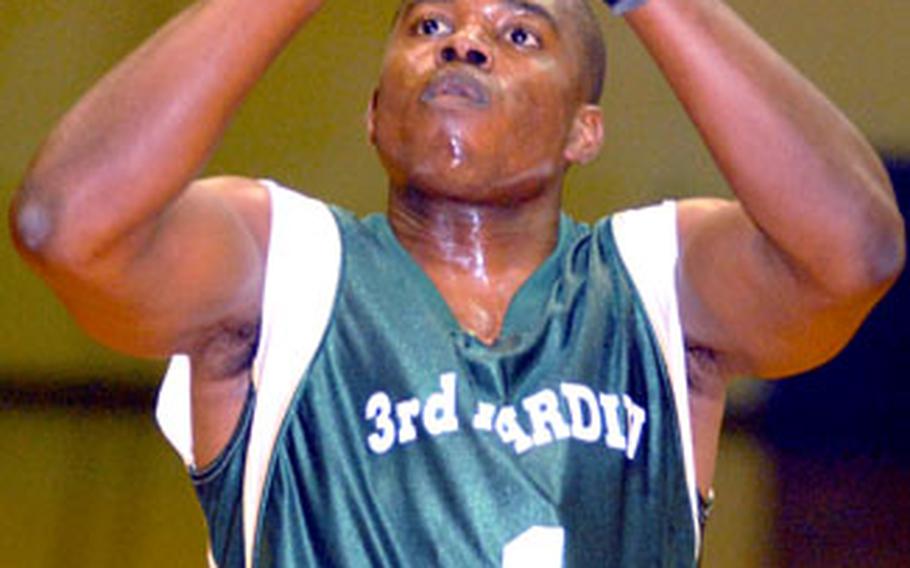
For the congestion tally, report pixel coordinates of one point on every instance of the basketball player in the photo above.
(473, 378)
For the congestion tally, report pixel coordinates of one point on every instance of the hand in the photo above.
(621, 7)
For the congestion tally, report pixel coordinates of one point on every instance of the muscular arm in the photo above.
(147, 260)
(778, 280)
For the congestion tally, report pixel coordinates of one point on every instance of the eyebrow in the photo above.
(518, 5)
(407, 7)
(533, 8)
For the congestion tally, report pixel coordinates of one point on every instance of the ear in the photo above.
(370, 117)
(586, 136)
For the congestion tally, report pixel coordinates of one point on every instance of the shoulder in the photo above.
(249, 199)
(694, 212)
(647, 239)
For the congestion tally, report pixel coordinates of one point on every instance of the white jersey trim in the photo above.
(301, 279)
(172, 410)
(302, 273)
(648, 243)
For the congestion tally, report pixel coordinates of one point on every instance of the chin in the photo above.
(445, 165)
(452, 162)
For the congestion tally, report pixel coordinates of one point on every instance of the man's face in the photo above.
(477, 98)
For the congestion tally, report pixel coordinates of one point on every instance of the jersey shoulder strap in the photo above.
(302, 272)
(648, 243)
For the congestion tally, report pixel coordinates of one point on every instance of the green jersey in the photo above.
(379, 433)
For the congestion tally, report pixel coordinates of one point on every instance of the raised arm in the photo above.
(779, 280)
(148, 261)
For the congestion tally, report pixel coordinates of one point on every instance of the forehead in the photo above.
(553, 10)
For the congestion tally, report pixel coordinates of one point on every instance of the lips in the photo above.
(456, 88)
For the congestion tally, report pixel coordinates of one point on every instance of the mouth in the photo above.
(456, 90)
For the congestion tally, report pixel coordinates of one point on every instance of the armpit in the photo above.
(226, 350)
(706, 370)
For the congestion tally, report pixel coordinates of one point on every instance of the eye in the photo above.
(432, 26)
(522, 37)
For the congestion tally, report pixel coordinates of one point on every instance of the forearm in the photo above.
(803, 173)
(135, 141)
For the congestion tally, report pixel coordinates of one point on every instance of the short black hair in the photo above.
(593, 49)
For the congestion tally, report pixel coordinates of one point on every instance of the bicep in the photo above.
(196, 268)
(744, 302)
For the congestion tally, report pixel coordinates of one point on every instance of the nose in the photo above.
(465, 49)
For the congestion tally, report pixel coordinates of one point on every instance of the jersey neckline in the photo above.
(526, 307)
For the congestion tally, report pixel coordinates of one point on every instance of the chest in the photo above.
(470, 446)
(479, 306)
(410, 435)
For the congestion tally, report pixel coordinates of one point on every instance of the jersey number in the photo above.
(538, 546)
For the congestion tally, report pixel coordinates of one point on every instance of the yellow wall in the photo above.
(99, 490)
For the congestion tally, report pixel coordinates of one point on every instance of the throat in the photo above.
(476, 255)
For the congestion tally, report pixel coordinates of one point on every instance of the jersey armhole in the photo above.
(648, 243)
(301, 280)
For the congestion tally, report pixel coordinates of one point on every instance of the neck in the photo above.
(477, 254)
(475, 239)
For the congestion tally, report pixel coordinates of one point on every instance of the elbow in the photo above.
(876, 263)
(31, 222)
(885, 245)
(891, 255)
(872, 237)
(37, 230)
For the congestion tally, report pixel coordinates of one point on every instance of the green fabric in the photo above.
(437, 483)
(218, 488)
